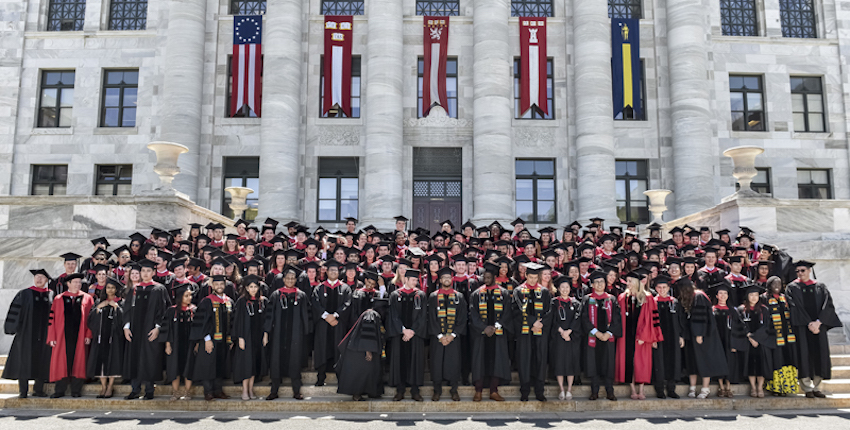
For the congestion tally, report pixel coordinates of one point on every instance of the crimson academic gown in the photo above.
(56, 333)
(648, 330)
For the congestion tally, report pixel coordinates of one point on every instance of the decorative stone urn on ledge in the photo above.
(657, 205)
(238, 200)
(166, 167)
(744, 159)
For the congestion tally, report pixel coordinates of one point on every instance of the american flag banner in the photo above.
(436, 41)
(246, 64)
(532, 43)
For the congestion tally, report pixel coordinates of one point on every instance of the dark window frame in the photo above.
(437, 7)
(760, 187)
(244, 112)
(343, 7)
(535, 177)
(811, 188)
(239, 169)
(66, 15)
(625, 9)
(739, 18)
(247, 7)
(532, 8)
(115, 179)
(356, 72)
(122, 87)
(746, 109)
(536, 113)
(806, 108)
(51, 182)
(137, 22)
(61, 85)
(338, 176)
(798, 19)
(642, 164)
(420, 76)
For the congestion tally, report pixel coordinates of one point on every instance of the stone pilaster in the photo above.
(693, 158)
(493, 164)
(280, 132)
(383, 114)
(14, 15)
(594, 112)
(183, 79)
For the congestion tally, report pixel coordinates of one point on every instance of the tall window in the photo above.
(241, 172)
(807, 104)
(244, 111)
(342, 7)
(66, 15)
(739, 18)
(438, 7)
(247, 7)
(114, 180)
(451, 87)
(355, 90)
(747, 101)
(49, 180)
(532, 8)
(761, 183)
(535, 112)
(56, 104)
(535, 190)
(628, 114)
(632, 177)
(338, 188)
(120, 88)
(798, 18)
(814, 184)
(625, 9)
(128, 14)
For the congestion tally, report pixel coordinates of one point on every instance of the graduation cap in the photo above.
(768, 248)
(104, 252)
(302, 229)
(547, 229)
(767, 263)
(220, 261)
(533, 268)
(195, 262)
(194, 226)
(411, 273)
(469, 224)
(597, 274)
(138, 237)
(241, 222)
(401, 218)
(735, 259)
(631, 224)
(755, 288)
(99, 267)
(597, 220)
(550, 253)
(662, 279)
(231, 236)
(608, 237)
(147, 263)
(118, 285)
(405, 261)
(434, 257)
(689, 260)
(176, 263)
(40, 272)
(387, 258)
(518, 221)
(720, 233)
(251, 279)
(100, 240)
(73, 276)
(369, 228)
(218, 278)
(677, 229)
(161, 234)
(674, 260)
(253, 263)
(204, 237)
(689, 247)
(654, 226)
(446, 271)
(491, 268)
(370, 275)
(297, 271)
(745, 231)
(803, 263)
(70, 256)
(692, 233)
(253, 227)
(311, 241)
(416, 252)
(458, 257)
(210, 225)
(451, 225)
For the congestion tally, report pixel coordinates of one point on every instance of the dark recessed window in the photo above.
(438, 7)
(798, 18)
(451, 87)
(66, 15)
(49, 180)
(534, 112)
(761, 183)
(120, 88)
(625, 9)
(247, 7)
(342, 7)
(807, 104)
(739, 18)
(338, 188)
(535, 191)
(241, 172)
(128, 14)
(531, 8)
(56, 104)
(814, 184)
(746, 96)
(355, 91)
(632, 177)
(114, 180)
(244, 112)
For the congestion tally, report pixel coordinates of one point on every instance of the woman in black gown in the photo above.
(249, 361)
(179, 350)
(565, 354)
(106, 356)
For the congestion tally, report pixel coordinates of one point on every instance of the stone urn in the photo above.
(744, 159)
(166, 167)
(238, 200)
(657, 204)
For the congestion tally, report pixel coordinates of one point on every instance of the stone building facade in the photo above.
(693, 70)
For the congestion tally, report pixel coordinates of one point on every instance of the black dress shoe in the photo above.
(41, 394)
(76, 395)
(593, 396)
(100, 396)
(541, 398)
(298, 396)
(22, 395)
(132, 396)
(819, 395)
(523, 398)
(320, 383)
(455, 397)
(810, 395)
(435, 397)
(417, 397)
(611, 397)
(148, 396)
(272, 396)
(57, 395)
(209, 397)
(672, 395)
(660, 395)
(398, 397)
(357, 398)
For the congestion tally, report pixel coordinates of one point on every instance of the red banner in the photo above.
(337, 67)
(436, 44)
(532, 42)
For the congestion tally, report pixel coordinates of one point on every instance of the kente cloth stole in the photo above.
(777, 321)
(218, 315)
(446, 312)
(497, 307)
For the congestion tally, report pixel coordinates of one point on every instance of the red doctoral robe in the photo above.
(56, 332)
(649, 331)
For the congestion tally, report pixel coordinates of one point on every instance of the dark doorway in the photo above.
(437, 187)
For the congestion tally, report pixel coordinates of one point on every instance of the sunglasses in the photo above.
(801, 270)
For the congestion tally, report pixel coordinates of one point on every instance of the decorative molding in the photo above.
(339, 135)
(438, 118)
(534, 136)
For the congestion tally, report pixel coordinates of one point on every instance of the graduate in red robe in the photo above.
(69, 336)
(641, 332)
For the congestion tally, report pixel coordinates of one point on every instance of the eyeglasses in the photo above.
(801, 271)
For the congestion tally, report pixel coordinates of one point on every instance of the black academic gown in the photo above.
(173, 285)
(490, 355)
(751, 360)
(333, 300)
(363, 300)
(214, 318)
(144, 308)
(407, 359)
(667, 358)
(176, 330)
(726, 319)
(248, 321)
(287, 324)
(532, 349)
(601, 358)
(205, 289)
(106, 353)
(565, 356)
(811, 302)
(709, 357)
(446, 360)
(356, 374)
(28, 319)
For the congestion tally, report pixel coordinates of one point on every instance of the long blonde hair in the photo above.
(634, 285)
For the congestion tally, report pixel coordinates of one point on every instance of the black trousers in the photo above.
(414, 389)
(595, 382)
(659, 386)
(296, 385)
(136, 386)
(525, 387)
(212, 386)
(438, 387)
(322, 371)
(491, 381)
(24, 386)
(75, 383)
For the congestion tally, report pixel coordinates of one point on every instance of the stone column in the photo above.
(182, 92)
(493, 163)
(11, 72)
(594, 112)
(382, 114)
(690, 114)
(280, 132)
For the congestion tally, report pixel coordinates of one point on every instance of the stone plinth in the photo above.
(34, 230)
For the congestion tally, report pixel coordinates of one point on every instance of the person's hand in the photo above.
(208, 346)
(368, 356)
(167, 348)
(242, 343)
(128, 335)
(102, 305)
(699, 340)
(565, 335)
(265, 339)
(654, 345)
(640, 342)
(196, 348)
(52, 343)
(681, 342)
(734, 350)
(448, 339)
(538, 325)
(331, 320)
(407, 334)
(153, 334)
(607, 337)
(489, 331)
(599, 335)
(754, 343)
(113, 304)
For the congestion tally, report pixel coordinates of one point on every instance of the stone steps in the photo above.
(840, 360)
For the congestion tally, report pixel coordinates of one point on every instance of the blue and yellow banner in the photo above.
(626, 68)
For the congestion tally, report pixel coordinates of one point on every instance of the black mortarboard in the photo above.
(721, 232)
(446, 271)
(410, 273)
(765, 263)
(405, 261)
(218, 278)
(468, 223)
(654, 226)
(518, 221)
(768, 248)
(99, 267)
(434, 257)
(195, 262)
(597, 274)
(120, 249)
(451, 225)
(147, 263)
(104, 252)
(310, 241)
(492, 268)
(533, 268)
(100, 240)
(40, 272)
(220, 261)
(175, 232)
(387, 258)
(176, 263)
(735, 259)
(662, 279)
(333, 263)
(689, 260)
(203, 237)
(73, 276)
(677, 229)
(401, 218)
(251, 279)
(273, 223)
(241, 221)
(370, 275)
(754, 288)
(195, 225)
(803, 263)
(631, 224)
(70, 256)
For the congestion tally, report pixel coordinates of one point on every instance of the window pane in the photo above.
(327, 189)
(754, 101)
(524, 189)
(40, 190)
(737, 101)
(815, 122)
(799, 122)
(822, 193)
(129, 118)
(451, 67)
(254, 184)
(525, 209)
(114, 78)
(621, 189)
(815, 102)
(797, 84)
(67, 97)
(131, 77)
(103, 190)
(819, 177)
(797, 103)
(546, 211)
(736, 82)
(546, 189)
(755, 121)
(544, 167)
(752, 82)
(738, 121)
(804, 177)
(52, 78)
(65, 115)
(60, 189)
(524, 167)
(327, 209)
(348, 188)
(124, 189)
(348, 208)
(130, 97)
(112, 97)
(48, 117)
(60, 173)
(620, 168)
(355, 86)
(451, 87)
(48, 97)
(761, 176)
(638, 187)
